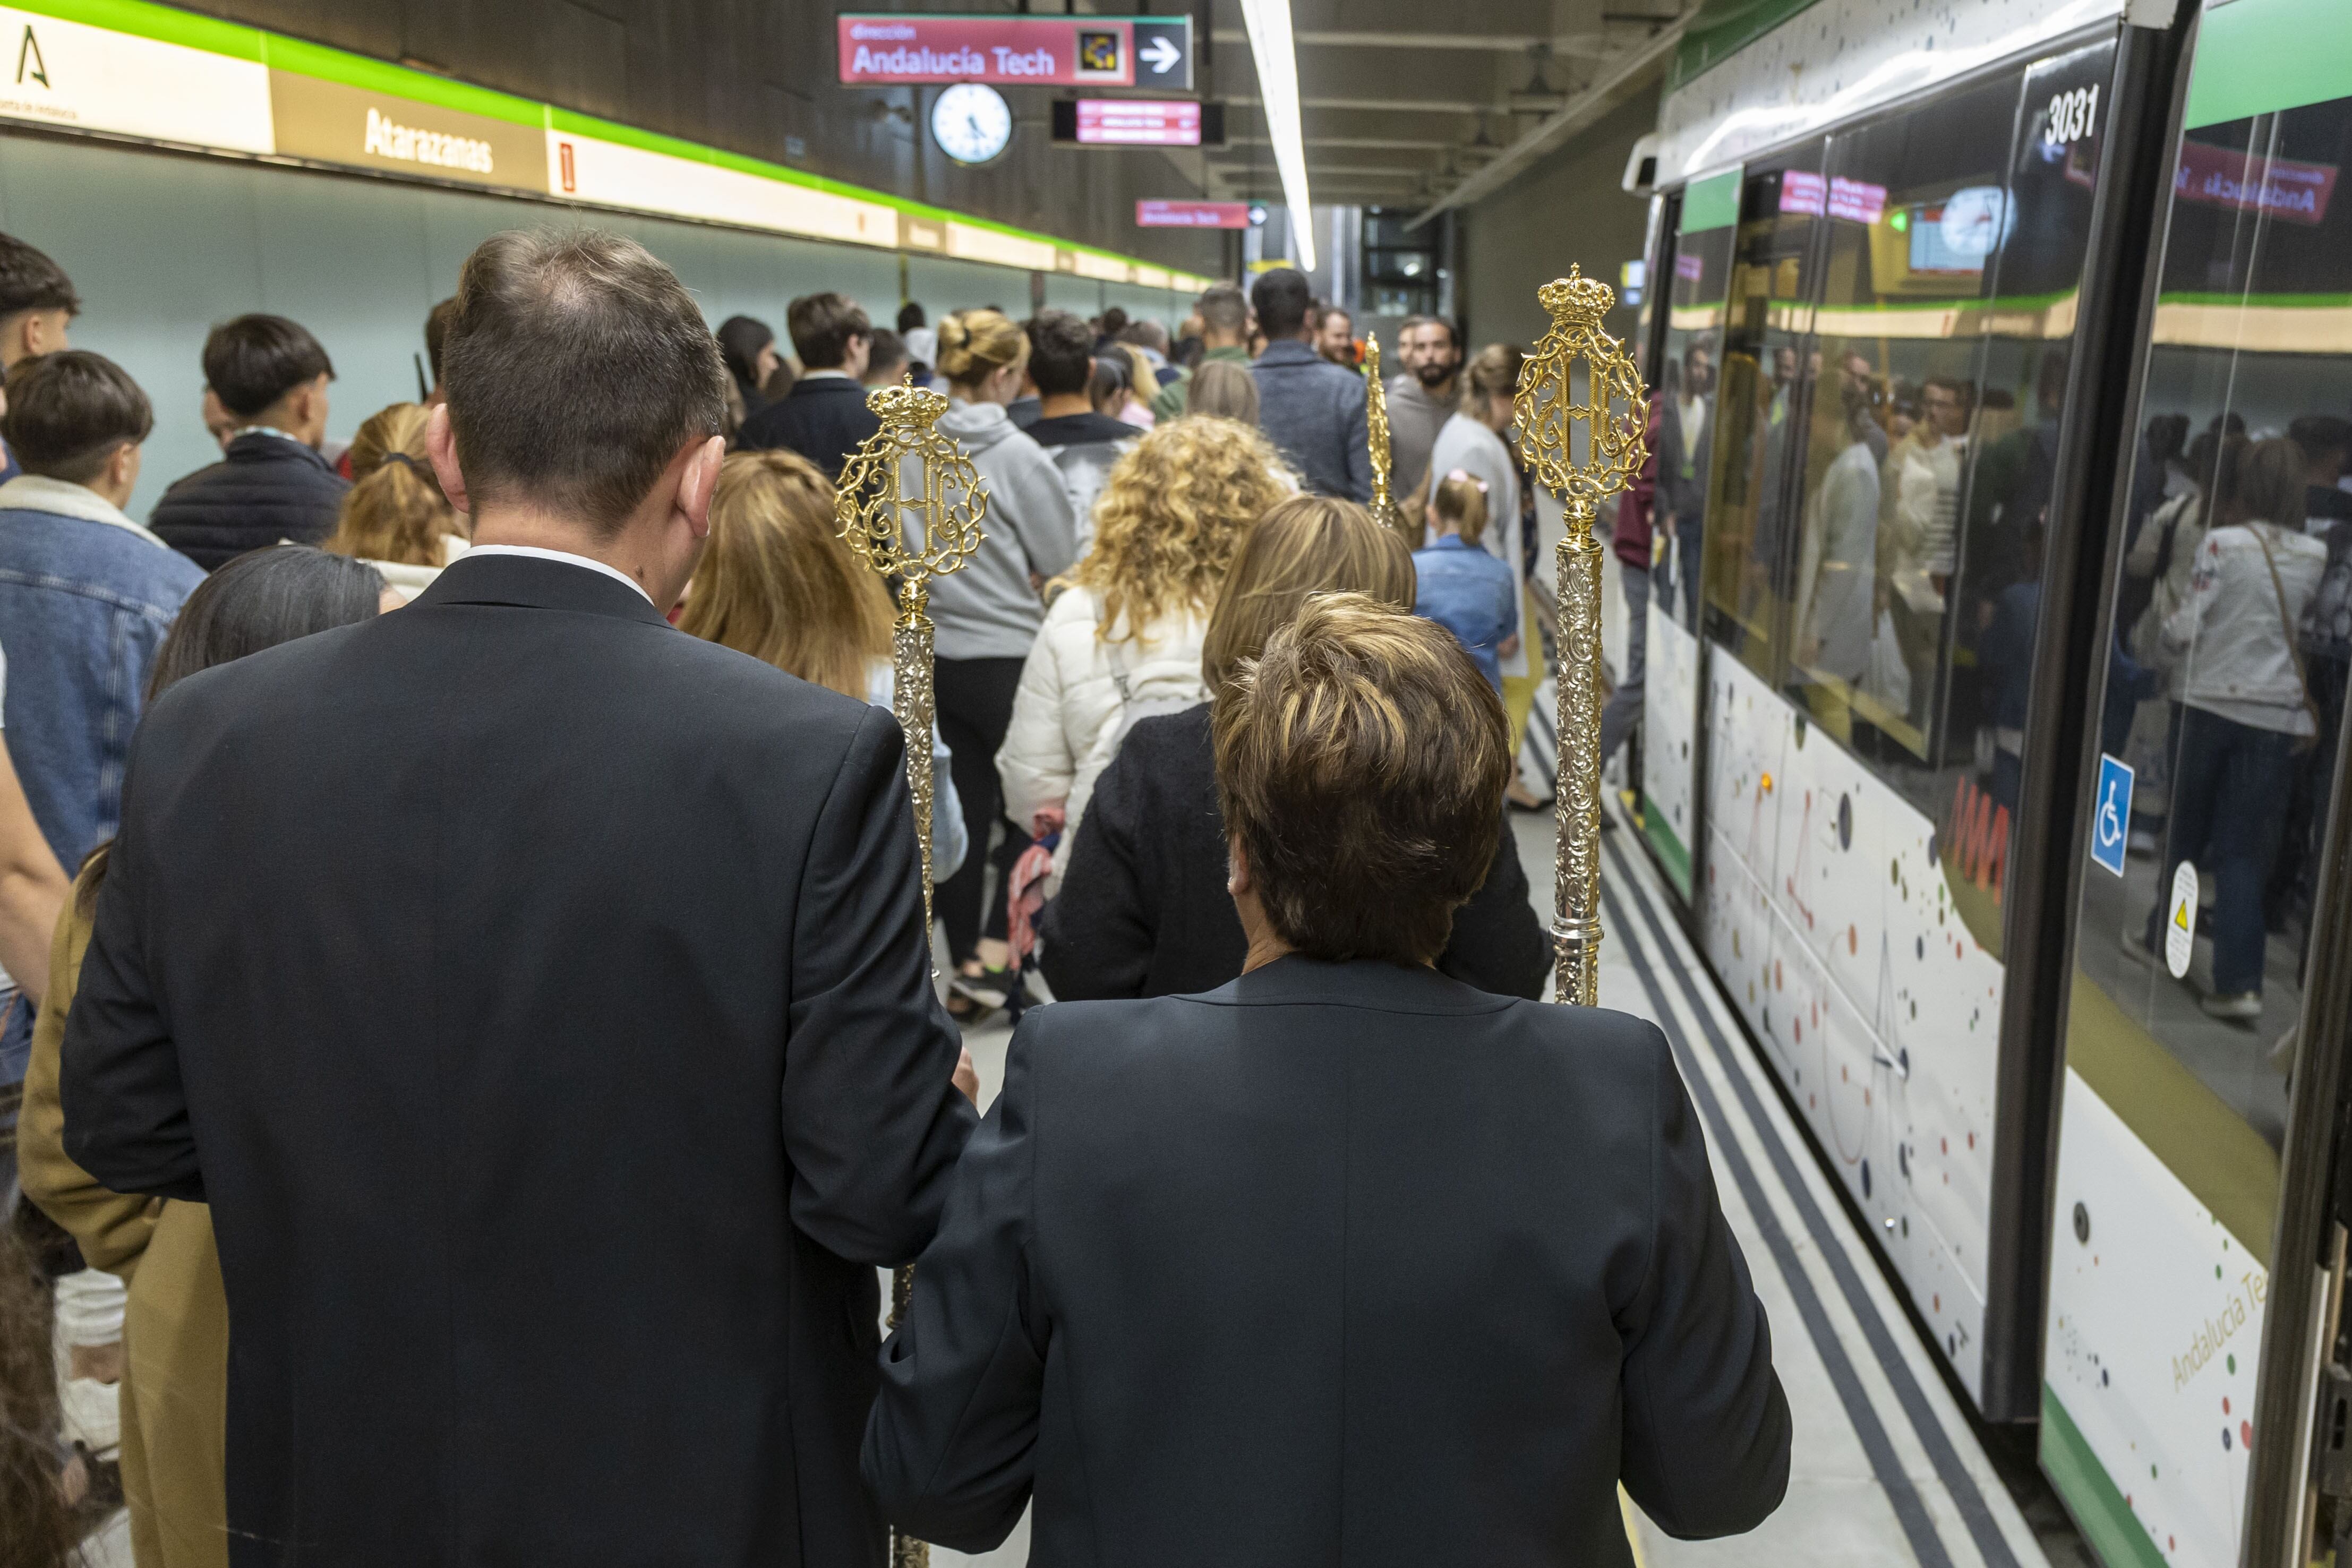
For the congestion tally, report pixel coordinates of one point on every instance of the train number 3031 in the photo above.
(2072, 116)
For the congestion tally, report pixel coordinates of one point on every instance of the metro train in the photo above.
(1997, 659)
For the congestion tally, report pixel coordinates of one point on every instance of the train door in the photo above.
(1693, 276)
(2227, 629)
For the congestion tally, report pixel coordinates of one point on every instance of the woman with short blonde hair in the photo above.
(395, 516)
(1124, 638)
(777, 582)
(1144, 910)
(1291, 1262)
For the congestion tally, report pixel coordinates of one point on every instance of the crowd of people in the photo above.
(466, 984)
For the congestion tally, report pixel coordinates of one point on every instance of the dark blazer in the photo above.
(539, 997)
(822, 419)
(1144, 910)
(264, 489)
(1314, 412)
(1337, 1263)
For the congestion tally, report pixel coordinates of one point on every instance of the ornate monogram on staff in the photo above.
(911, 536)
(1611, 442)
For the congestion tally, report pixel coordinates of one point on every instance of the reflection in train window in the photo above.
(1694, 354)
(1745, 570)
(1935, 386)
(2226, 676)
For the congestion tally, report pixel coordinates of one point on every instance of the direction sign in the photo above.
(881, 48)
(1185, 214)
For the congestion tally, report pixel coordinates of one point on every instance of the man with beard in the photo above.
(1421, 396)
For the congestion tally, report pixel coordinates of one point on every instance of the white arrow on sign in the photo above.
(1163, 57)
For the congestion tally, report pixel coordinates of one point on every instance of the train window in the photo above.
(1698, 273)
(1744, 574)
(1935, 386)
(2233, 631)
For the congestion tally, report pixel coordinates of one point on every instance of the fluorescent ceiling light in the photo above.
(1278, 92)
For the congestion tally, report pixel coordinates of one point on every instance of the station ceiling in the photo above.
(1400, 105)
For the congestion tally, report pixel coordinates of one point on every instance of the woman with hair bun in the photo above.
(988, 615)
(395, 516)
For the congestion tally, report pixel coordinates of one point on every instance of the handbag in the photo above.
(2302, 743)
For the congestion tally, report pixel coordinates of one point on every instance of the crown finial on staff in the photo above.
(1582, 475)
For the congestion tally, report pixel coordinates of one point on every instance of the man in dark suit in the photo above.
(539, 997)
(1344, 1261)
(271, 484)
(824, 416)
(1311, 409)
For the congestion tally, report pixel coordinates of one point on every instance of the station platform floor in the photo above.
(1887, 1468)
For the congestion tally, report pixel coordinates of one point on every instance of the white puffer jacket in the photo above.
(1069, 715)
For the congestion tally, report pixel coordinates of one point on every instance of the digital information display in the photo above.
(1139, 122)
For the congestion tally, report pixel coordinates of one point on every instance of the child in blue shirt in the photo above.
(1461, 587)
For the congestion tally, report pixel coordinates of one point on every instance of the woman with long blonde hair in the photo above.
(777, 582)
(395, 516)
(1124, 638)
(1144, 909)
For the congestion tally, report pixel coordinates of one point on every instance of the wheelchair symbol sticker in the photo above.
(2111, 815)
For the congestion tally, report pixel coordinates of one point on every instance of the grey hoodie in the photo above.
(987, 609)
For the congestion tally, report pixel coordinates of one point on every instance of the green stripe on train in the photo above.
(2099, 1509)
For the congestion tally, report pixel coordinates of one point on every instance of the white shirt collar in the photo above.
(535, 553)
(823, 375)
(268, 429)
(38, 493)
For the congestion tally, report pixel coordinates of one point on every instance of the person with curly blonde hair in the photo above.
(1124, 639)
(395, 516)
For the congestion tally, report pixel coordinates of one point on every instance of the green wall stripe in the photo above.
(2258, 57)
(169, 25)
(2099, 1509)
(163, 24)
(303, 58)
(1712, 203)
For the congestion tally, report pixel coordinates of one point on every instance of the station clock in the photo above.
(973, 123)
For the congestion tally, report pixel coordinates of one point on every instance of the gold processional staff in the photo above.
(1376, 432)
(1581, 469)
(910, 537)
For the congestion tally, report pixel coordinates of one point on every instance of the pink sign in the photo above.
(1803, 194)
(1192, 214)
(1854, 199)
(1139, 122)
(2220, 177)
(1690, 268)
(878, 48)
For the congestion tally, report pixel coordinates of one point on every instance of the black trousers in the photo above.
(975, 708)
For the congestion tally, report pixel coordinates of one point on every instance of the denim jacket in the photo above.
(86, 595)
